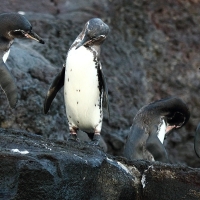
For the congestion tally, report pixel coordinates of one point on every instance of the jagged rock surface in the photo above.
(152, 52)
(34, 168)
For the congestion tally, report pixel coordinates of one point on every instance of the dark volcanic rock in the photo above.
(34, 168)
(165, 181)
(152, 52)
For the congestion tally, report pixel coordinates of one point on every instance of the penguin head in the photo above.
(176, 119)
(94, 33)
(178, 112)
(14, 25)
(172, 110)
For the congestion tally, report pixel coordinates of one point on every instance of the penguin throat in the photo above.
(162, 131)
(169, 128)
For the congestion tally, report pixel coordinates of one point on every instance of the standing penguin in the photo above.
(151, 124)
(84, 84)
(12, 25)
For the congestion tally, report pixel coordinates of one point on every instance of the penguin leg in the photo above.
(96, 138)
(197, 141)
(73, 134)
(156, 148)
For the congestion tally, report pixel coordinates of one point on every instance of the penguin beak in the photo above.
(87, 41)
(84, 41)
(34, 36)
(169, 128)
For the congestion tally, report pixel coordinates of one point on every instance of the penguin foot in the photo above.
(95, 140)
(73, 137)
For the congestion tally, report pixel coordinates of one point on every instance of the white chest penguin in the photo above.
(83, 90)
(84, 83)
(150, 126)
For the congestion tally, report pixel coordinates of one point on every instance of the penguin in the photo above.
(12, 25)
(197, 141)
(150, 126)
(85, 88)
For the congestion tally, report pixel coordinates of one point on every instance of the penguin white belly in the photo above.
(81, 90)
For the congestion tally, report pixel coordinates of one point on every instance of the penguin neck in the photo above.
(95, 49)
(164, 129)
(84, 55)
(5, 44)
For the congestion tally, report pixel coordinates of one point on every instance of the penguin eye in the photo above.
(92, 38)
(18, 33)
(100, 37)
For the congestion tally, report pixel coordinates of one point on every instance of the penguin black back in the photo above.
(172, 109)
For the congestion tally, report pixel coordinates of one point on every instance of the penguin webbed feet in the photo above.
(95, 140)
(73, 138)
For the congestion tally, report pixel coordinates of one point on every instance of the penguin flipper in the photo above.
(8, 85)
(57, 84)
(105, 89)
(197, 141)
(156, 148)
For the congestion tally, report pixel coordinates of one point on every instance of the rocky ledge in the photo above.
(35, 168)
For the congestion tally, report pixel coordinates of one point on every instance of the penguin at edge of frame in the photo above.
(13, 25)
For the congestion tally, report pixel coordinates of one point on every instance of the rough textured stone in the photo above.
(165, 182)
(34, 168)
(152, 52)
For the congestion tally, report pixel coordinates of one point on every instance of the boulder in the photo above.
(36, 168)
(152, 52)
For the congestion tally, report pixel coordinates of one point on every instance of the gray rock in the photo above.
(152, 52)
(34, 168)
